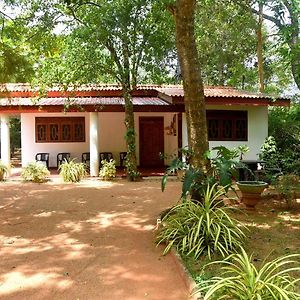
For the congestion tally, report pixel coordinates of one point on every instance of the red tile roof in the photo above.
(111, 94)
(81, 101)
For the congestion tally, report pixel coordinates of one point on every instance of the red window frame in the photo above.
(51, 129)
(227, 125)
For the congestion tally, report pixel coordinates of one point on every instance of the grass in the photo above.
(274, 231)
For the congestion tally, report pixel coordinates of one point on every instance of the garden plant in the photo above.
(287, 187)
(224, 163)
(108, 170)
(72, 171)
(35, 172)
(241, 280)
(202, 228)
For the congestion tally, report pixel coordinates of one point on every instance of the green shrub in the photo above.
(72, 171)
(35, 172)
(108, 169)
(287, 187)
(224, 163)
(241, 280)
(284, 126)
(3, 170)
(202, 228)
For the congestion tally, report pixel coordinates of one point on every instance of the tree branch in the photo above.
(269, 18)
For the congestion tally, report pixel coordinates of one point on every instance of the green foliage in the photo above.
(119, 41)
(226, 43)
(72, 171)
(284, 126)
(15, 133)
(108, 169)
(3, 170)
(269, 152)
(35, 172)
(287, 187)
(15, 57)
(202, 228)
(241, 280)
(224, 163)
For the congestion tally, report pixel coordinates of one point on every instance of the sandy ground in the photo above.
(92, 240)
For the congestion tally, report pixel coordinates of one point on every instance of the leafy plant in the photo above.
(284, 128)
(199, 228)
(223, 169)
(241, 280)
(132, 173)
(287, 187)
(35, 172)
(72, 171)
(108, 169)
(269, 152)
(3, 170)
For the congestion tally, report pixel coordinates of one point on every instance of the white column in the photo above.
(5, 142)
(185, 142)
(94, 144)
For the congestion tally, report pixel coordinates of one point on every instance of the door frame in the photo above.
(151, 118)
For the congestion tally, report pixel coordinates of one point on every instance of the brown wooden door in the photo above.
(151, 141)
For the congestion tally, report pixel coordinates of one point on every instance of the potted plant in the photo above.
(35, 172)
(3, 170)
(251, 192)
(108, 170)
(72, 171)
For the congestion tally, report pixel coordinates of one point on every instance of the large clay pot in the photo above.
(251, 192)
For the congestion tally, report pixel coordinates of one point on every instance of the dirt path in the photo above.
(86, 241)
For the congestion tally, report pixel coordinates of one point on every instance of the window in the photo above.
(59, 129)
(227, 125)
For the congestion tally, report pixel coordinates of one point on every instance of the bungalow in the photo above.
(90, 118)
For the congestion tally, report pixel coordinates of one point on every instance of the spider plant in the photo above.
(72, 171)
(241, 280)
(35, 172)
(202, 228)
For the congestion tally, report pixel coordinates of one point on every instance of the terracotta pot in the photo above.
(251, 192)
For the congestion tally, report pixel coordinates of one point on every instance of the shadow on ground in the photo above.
(85, 241)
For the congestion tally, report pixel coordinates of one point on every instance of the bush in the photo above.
(287, 187)
(35, 172)
(199, 228)
(284, 126)
(108, 169)
(72, 171)
(224, 164)
(241, 280)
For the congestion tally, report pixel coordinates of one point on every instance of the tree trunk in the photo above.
(184, 13)
(294, 43)
(131, 162)
(260, 61)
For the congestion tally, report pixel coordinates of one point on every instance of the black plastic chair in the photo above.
(105, 156)
(122, 158)
(62, 157)
(85, 158)
(43, 157)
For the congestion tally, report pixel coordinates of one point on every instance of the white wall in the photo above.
(112, 132)
(30, 147)
(111, 136)
(257, 129)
